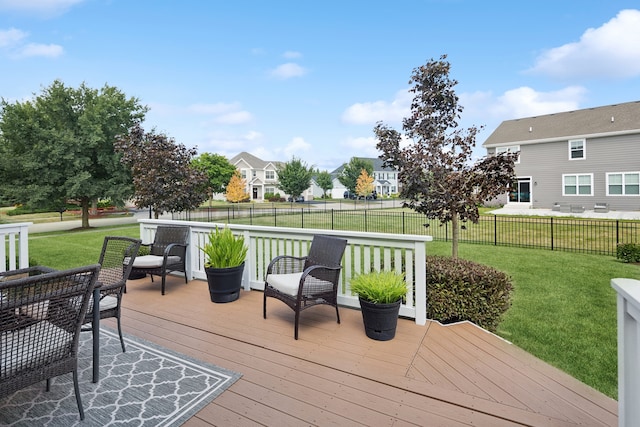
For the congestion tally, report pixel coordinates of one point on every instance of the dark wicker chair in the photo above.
(168, 253)
(113, 276)
(40, 321)
(302, 282)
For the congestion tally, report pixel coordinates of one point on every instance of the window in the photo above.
(271, 190)
(623, 184)
(577, 149)
(577, 185)
(509, 149)
(243, 173)
(269, 174)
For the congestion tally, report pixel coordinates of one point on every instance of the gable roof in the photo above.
(252, 161)
(599, 121)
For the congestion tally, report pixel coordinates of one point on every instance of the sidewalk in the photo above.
(633, 215)
(93, 222)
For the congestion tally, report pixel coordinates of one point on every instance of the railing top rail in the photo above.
(257, 229)
(629, 289)
(14, 226)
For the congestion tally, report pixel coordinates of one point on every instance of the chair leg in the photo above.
(295, 330)
(77, 390)
(163, 278)
(337, 313)
(48, 384)
(264, 304)
(120, 333)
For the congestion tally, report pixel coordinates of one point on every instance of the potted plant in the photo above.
(224, 264)
(380, 294)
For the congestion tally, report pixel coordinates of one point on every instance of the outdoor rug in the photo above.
(146, 386)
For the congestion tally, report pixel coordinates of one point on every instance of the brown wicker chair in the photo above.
(168, 253)
(302, 282)
(113, 277)
(40, 321)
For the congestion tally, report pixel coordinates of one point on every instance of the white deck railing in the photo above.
(628, 351)
(14, 246)
(365, 252)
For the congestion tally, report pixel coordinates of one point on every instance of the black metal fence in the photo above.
(597, 236)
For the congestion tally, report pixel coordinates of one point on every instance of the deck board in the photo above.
(335, 375)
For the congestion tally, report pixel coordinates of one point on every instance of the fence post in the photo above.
(617, 232)
(403, 229)
(332, 219)
(495, 230)
(302, 218)
(551, 233)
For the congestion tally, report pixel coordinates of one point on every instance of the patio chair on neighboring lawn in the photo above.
(113, 277)
(168, 253)
(302, 282)
(40, 321)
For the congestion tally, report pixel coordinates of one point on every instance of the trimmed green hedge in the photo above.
(628, 252)
(460, 290)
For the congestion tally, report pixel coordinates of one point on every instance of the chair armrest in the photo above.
(286, 264)
(175, 249)
(319, 279)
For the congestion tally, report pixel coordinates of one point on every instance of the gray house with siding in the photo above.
(584, 158)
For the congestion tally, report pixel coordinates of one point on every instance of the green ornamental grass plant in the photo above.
(224, 249)
(380, 287)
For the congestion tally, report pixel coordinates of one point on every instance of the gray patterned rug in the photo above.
(146, 386)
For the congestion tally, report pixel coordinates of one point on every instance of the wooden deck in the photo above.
(334, 375)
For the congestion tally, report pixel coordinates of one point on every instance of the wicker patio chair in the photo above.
(302, 282)
(40, 321)
(113, 277)
(168, 253)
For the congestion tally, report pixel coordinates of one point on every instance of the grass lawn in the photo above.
(563, 312)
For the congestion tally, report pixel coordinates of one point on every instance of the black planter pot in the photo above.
(224, 283)
(380, 320)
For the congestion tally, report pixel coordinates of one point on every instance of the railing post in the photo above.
(628, 350)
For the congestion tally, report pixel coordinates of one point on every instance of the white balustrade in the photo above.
(14, 246)
(365, 252)
(628, 351)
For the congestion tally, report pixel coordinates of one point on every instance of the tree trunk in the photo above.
(455, 231)
(85, 212)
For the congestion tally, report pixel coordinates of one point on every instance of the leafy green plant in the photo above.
(224, 249)
(459, 290)
(380, 287)
(628, 252)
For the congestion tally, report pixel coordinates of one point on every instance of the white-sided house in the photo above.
(261, 176)
(385, 179)
(583, 159)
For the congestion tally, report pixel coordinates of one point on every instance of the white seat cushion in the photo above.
(18, 344)
(152, 261)
(285, 283)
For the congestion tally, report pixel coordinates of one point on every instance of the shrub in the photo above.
(273, 197)
(460, 290)
(628, 252)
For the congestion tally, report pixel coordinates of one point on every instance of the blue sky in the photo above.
(310, 79)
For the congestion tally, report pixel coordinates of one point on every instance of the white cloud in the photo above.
(288, 70)
(11, 37)
(526, 102)
(294, 147)
(46, 8)
(368, 113)
(363, 146)
(290, 54)
(234, 118)
(607, 51)
(36, 49)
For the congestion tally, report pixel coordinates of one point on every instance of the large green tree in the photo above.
(437, 176)
(58, 147)
(352, 170)
(324, 181)
(163, 176)
(294, 177)
(217, 168)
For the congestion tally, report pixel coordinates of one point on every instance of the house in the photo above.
(385, 182)
(261, 176)
(586, 158)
